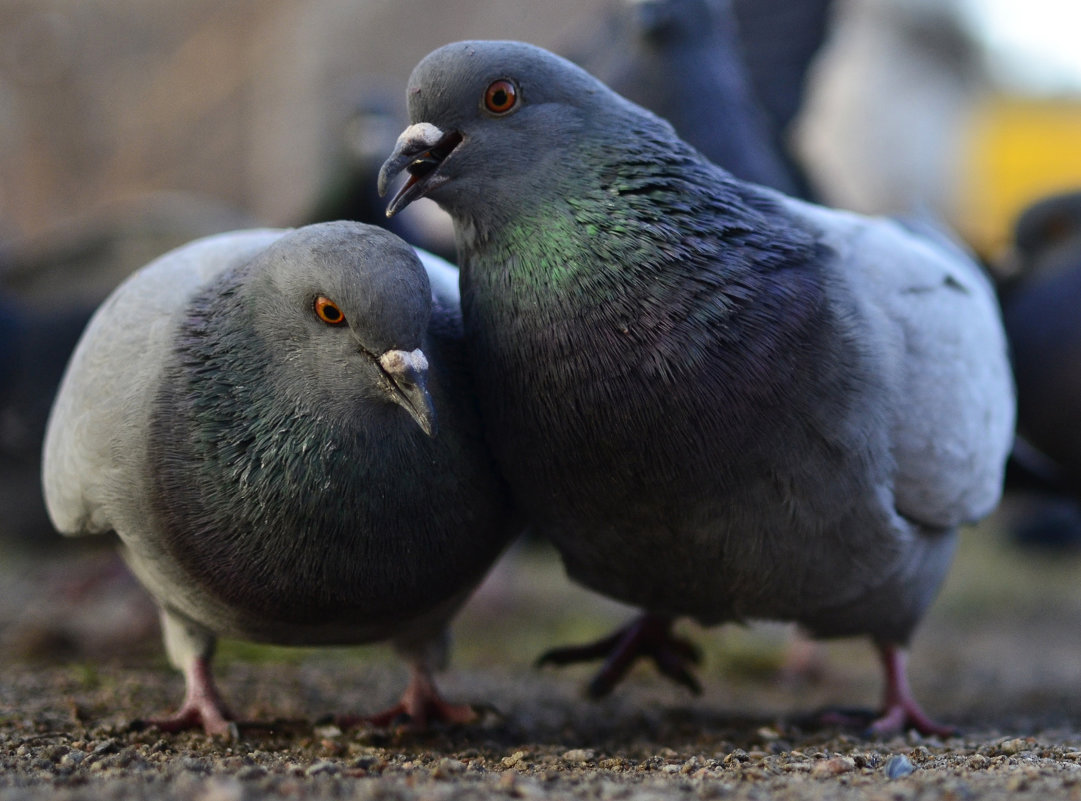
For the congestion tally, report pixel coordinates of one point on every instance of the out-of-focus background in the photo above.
(130, 126)
(970, 106)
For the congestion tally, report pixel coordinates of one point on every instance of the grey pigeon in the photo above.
(682, 60)
(717, 401)
(278, 426)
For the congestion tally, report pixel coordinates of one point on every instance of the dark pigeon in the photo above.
(1040, 304)
(36, 339)
(716, 401)
(682, 60)
(50, 285)
(780, 42)
(278, 426)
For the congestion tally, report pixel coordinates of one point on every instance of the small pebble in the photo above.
(833, 767)
(1015, 746)
(447, 768)
(898, 766)
(514, 759)
(579, 755)
(323, 766)
(107, 747)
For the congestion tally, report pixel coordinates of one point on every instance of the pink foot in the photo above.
(202, 705)
(648, 635)
(900, 711)
(421, 703)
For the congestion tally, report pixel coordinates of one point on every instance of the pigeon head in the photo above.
(502, 124)
(346, 312)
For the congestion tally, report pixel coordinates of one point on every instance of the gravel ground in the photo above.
(998, 656)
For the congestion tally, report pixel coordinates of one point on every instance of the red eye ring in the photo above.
(328, 311)
(501, 96)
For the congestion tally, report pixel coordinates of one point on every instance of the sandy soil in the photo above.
(998, 656)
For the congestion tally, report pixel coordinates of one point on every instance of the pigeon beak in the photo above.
(420, 150)
(407, 372)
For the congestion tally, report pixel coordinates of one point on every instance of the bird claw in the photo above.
(420, 705)
(647, 636)
(215, 722)
(433, 710)
(676, 669)
(902, 717)
(895, 719)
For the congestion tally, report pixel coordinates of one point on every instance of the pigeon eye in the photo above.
(328, 311)
(501, 96)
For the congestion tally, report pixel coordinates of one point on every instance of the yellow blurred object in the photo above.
(1018, 150)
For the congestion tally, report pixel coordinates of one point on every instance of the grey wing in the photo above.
(953, 413)
(94, 460)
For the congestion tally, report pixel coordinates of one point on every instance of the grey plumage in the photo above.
(717, 401)
(276, 475)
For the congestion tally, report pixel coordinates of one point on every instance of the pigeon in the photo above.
(1040, 305)
(715, 400)
(682, 60)
(279, 427)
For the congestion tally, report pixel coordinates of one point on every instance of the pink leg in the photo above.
(421, 703)
(899, 709)
(203, 705)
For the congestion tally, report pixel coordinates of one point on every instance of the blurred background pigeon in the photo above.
(50, 284)
(685, 61)
(1041, 300)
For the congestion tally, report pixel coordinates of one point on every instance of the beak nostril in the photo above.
(407, 373)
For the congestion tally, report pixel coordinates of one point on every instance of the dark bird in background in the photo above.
(717, 401)
(1041, 302)
(687, 61)
(36, 341)
(780, 41)
(50, 285)
(279, 427)
(348, 189)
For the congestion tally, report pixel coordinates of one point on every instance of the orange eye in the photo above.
(501, 96)
(328, 311)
